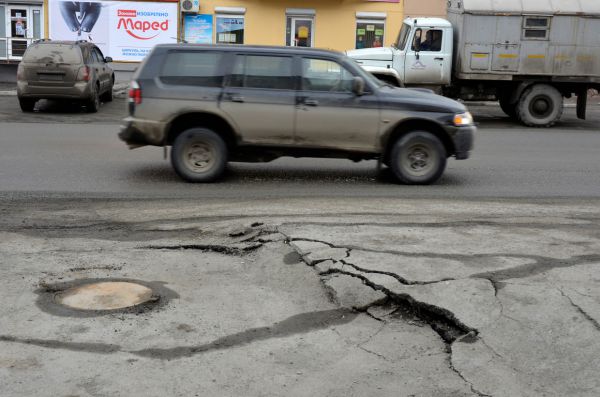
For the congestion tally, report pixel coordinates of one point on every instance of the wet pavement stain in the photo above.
(298, 324)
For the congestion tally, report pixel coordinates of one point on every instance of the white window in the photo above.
(536, 28)
(230, 25)
(370, 29)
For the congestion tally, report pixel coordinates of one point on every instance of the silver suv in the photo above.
(73, 70)
(215, 104)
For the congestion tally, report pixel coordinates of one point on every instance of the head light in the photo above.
(463, 119)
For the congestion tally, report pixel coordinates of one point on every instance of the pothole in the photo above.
(107, 295)
(95, 297)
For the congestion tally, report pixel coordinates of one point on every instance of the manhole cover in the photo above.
(108, 295)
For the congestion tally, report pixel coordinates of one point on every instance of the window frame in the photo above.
(370, 21)
(525, 28)
(230, 16)
(232, 64)
(222, 65)
(301, 73)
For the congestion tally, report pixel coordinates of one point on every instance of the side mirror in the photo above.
(108, 59)
(358, 86)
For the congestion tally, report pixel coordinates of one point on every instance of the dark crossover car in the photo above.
(215, 104)
(71, 70)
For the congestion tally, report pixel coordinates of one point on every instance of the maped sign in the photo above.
(123, 30)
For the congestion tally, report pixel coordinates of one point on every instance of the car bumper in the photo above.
(137, 133)
(463, 139)
(79, 90)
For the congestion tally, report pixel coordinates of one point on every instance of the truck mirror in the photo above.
(358, 86)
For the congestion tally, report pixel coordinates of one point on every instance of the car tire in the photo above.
(27, 105)
(93, 103)
(418, 158)
(199, 155)
(540, 106)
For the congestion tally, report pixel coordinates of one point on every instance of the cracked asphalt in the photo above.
(300, 297)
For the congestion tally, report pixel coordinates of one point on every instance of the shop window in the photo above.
(230, 29)
(300, 27)
(369, 33)
(428, 40)
(536, 28)
(261, 71)
(199, 68)
(323, 75)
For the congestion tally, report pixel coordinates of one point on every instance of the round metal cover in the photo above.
(108, 295)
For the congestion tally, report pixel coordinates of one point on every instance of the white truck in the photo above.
(528, 55)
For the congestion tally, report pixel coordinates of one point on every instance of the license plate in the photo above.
(51, 76)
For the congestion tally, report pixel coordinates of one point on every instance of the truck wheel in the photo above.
(27, 105)
(418, 158)
(540, 106)
(199, 155)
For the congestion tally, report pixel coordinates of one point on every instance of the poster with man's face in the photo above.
(123, 30)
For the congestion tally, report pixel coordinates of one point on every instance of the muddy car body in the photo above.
(215, 104)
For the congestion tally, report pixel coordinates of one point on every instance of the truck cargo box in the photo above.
(514, 39)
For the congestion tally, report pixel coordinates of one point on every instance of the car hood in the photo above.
(419, 100)
(371, 54)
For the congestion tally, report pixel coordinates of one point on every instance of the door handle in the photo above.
(236, 98)
(438, 59)
(311, 102)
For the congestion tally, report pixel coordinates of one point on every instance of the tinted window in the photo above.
(57, 53)
(261, 71)
(193, 68)
(322, 75)
(99, 55)
(428, 40)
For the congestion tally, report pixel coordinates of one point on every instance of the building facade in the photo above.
(21, 22)
(333, 24)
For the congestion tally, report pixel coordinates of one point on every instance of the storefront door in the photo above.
(22, 25)
(301, 32)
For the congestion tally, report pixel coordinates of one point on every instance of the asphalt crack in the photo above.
(221, 249)
(592, 320)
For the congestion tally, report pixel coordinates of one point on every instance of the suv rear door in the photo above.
(101, 69)
(329, 114)
(260, 98)
(52, 64)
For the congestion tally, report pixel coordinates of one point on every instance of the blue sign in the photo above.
(198, 28)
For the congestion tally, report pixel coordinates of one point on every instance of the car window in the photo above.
(99, 55)
(324, 75)
(52, 53)
(262, 71)
(427, 40)
(200, 68)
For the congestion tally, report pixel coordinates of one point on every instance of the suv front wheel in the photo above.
(199, 155)
(418, 158)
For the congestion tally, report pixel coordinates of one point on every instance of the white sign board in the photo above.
(123, 30)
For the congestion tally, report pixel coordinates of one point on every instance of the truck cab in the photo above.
(421, 55)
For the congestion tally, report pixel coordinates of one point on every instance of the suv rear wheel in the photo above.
(418, 158)
(27, 105)
(93, 103)
(199, 155)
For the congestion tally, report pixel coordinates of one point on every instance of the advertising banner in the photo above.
(123, 30)
(198, 28)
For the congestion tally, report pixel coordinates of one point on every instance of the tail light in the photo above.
(20, 72)
(135, 93)
(83, 74)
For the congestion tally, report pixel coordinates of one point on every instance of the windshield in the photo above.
(52, 53)
(403, 36)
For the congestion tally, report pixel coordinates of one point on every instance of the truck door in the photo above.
(428, 57)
